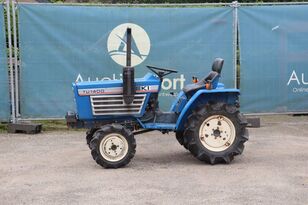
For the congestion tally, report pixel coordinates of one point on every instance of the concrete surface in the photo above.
(57, 168)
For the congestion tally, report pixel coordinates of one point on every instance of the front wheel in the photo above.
(89, 136)
(113, 146)
(216, 133)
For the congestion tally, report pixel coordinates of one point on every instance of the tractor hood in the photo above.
(149, 83)
(100, 99)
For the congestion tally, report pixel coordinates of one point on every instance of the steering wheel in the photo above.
(161, 72)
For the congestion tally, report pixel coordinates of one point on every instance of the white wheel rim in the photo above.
(217, 133)
(113, 147)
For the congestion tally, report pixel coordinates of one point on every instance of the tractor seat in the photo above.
(211, 78)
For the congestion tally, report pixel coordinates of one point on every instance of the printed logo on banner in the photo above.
(298, 81)
(140, 49)
(116, 44)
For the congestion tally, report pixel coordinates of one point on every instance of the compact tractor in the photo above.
(204, 116)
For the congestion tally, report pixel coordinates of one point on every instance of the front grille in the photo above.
(115, 105)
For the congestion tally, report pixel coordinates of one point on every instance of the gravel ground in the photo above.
(57, 168)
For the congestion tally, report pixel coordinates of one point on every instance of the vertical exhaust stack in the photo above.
(128, 72)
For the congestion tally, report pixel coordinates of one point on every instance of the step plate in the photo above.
(160, 126)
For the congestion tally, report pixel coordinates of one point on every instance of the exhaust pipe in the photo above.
(128, 72)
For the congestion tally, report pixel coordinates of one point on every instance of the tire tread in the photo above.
(103, 131)
(191, 130)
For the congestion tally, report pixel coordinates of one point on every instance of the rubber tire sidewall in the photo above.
(100, 134)
(89, 135)
(195, 120)
(236, 141)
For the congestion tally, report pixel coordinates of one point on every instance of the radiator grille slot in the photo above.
(115, 105)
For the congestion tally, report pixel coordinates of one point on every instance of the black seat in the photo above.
(192, 87)
(211, 78)
(217, 65)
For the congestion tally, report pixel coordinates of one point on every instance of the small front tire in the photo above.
(113, 146)
(89, 135)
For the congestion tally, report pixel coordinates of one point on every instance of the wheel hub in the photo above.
(113, 147)
(217, 133)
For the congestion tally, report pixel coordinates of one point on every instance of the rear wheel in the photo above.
(113, 146)
(216, 133)
(180, 138)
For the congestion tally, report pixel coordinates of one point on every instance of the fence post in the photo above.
(13, 105)
(15, 60)
(235, 6)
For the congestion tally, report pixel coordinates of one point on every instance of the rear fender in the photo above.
(228, 96)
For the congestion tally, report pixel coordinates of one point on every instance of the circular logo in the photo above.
(140, 44)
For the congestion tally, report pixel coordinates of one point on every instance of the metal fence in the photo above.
(23, 108)
(4, 81)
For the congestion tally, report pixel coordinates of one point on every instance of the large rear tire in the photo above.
(180, 138)
(215, 133)
(113, 146)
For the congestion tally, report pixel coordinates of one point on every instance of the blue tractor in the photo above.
(205, 116)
